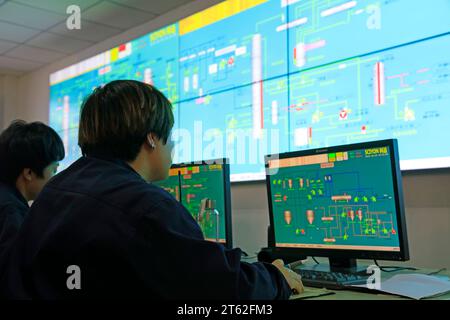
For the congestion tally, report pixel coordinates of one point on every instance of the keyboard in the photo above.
(330, 280)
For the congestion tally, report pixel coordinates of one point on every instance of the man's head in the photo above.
(29, 156)
(131, 121)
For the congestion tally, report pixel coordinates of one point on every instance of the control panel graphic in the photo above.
(191, 185)
(286, 75)
(336, 200)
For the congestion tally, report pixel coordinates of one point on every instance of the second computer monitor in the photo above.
(200, 187)
(339, 202)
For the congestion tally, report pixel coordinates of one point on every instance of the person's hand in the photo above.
(293, 279)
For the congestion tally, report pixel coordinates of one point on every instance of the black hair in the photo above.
(116, 119)
(28, 145)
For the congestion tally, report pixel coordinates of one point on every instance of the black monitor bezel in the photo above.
(402, 255)
(227, 192)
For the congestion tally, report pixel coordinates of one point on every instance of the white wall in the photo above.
(427, 195)
(9, 104)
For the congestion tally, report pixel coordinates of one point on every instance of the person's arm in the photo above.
(172, 258)
(277, 280)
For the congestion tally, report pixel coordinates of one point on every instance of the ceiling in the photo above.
(33, 33)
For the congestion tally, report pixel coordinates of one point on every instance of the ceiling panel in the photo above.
(27, 16)
(12, 65)
(57, 6)
(59, 43)
(89, 31)
(34, 54)
(114, 15)
(6, 45)
(16, 33)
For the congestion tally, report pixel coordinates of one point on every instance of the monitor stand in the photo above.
(342, 265)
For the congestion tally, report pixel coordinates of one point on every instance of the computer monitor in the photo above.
(193, 184)
(341, 202)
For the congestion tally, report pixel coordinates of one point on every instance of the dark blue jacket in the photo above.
(13, 208)
(130, 239)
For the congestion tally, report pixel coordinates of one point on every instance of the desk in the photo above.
(357, 295)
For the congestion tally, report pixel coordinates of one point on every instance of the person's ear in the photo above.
(151, 141)
(27, 174)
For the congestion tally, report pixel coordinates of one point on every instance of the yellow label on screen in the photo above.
(163, 33)
(376, 151)
(216, 13)
(114, 54)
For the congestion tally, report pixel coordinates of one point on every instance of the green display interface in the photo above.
(190, 185)
(342, 200)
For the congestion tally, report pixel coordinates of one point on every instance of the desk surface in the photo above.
(358, 295)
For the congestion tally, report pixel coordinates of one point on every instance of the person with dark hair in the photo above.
(29, 156)
(99, 229)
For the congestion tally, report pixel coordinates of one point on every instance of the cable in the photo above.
(394, 268)
(245, 254)
(436, 272)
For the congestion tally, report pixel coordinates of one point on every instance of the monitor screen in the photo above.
(344, 198)
(254, 77)
(192, 183)
(171, 184)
